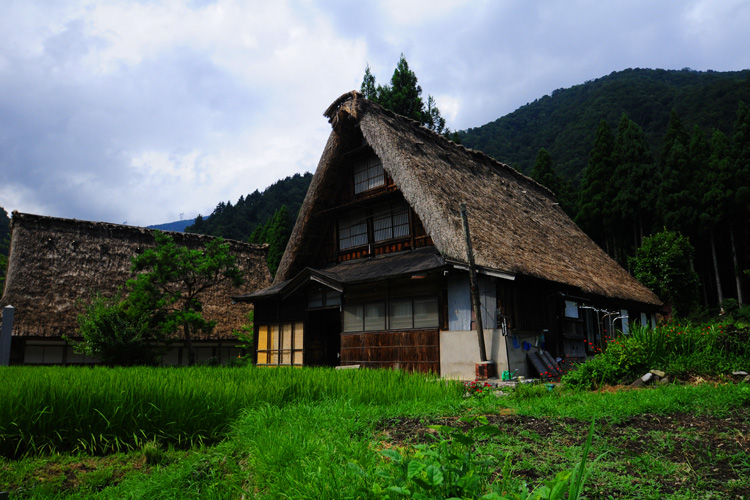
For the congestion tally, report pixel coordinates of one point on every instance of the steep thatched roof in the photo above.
(54, 262)
(516, 224)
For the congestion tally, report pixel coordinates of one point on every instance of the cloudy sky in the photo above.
(148, 111)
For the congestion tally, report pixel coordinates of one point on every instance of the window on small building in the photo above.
(280, 344)
(353, 231)
(323, 298)
(368, 174)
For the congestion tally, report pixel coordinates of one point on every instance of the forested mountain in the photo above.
(238, 221)
(640, 152)
(565, 122)
(628, 155)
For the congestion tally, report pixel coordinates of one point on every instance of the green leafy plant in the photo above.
(663, 263)
(114, 333)
(454, 468)
(246, 333)
(449, 468)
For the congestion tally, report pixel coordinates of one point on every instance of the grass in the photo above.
(102, 410)
(309, 433)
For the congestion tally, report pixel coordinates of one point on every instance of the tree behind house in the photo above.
(404, 97)
(172, 282)
(275, 232)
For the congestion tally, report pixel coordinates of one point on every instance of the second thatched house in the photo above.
(376, 270)
(54, 262)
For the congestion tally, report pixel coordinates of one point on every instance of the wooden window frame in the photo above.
(374, 174)
(387, 309)
(271, 350)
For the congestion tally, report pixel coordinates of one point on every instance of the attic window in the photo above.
(368, 174)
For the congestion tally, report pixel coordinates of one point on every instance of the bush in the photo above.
(663, 263)
(678, 349)
(113, 333)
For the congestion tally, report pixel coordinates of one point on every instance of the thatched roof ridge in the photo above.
(54, 262)
(516, 225)
(352, 99)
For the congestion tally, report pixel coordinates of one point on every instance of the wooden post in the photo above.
(474, 288)
(5, 333)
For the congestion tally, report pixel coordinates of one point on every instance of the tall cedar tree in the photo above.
(172, 280)
(596, 194)
(740, 210)
(404, 97)
(276, 232)
(716, 198)
(677, 203)
(545, 174)
(637, 178)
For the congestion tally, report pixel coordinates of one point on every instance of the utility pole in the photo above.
(474, 287)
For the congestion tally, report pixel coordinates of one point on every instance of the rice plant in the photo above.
(102, 410)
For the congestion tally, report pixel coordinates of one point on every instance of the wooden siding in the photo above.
(410, 350)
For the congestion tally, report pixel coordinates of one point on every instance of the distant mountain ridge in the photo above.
(565, 122)
(178, 226)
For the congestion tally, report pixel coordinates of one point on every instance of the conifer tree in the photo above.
(368, 88)
(544, 174)
(636, 178)
(677, 203)
(716, 198)
(275, 232)
(404, 97)
(596, 195)
(740, 179)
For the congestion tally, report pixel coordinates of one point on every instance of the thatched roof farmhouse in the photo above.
(375, 273)
(54, 262)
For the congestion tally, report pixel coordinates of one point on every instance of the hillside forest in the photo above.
(628, 155)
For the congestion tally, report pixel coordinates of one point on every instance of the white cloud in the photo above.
(141, 110)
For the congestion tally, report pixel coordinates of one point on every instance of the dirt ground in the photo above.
(701, 455)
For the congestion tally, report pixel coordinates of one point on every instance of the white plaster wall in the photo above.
(459, 352)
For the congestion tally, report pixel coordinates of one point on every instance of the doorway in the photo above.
(323, 337)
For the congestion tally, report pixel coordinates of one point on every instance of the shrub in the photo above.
(113, 333)
(679, 349)
(663, 263)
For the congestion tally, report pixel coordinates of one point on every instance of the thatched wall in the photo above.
(55, 262)
(516, 224)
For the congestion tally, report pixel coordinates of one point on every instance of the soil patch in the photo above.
(692, 454)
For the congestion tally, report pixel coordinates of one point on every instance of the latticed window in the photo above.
(353, 231)
(280, 344)
(368, 174)
(390, 223)
(401, 314)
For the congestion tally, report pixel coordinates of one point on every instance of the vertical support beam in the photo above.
(5, 333)
(473, 285)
